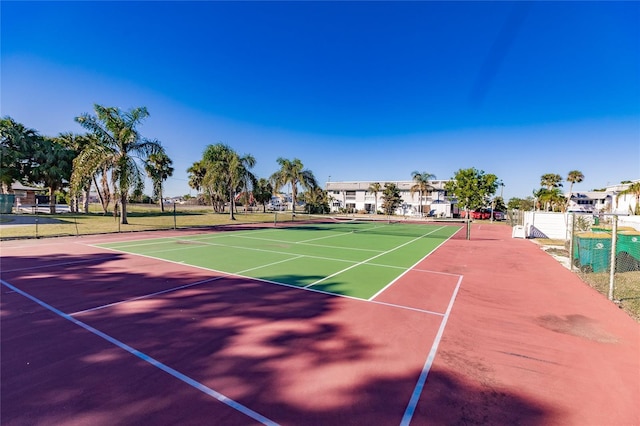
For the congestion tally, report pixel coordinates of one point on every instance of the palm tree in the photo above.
(317, 200)
(574, 176)
(294, 173)
(421, 185)
(54, 166)
(80, 183)
(374, 189)
(262, 193)
(550, 181)
(247, 180)
(227, 171)
(158, 168)
(633, 189)
(119, 149)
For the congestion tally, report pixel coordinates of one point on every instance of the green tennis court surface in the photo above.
(352, 259)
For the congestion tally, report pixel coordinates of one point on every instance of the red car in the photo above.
(484, 214)
(476, 214)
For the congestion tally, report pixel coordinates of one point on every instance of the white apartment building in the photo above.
(355, 197)
(606, 201)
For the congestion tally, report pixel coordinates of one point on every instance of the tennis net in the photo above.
(379, 225)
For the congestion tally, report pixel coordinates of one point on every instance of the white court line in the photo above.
(148, 359)
(246, 248)
(59, 264)
(409, 269)
(371, 258)
(415, 396)
(230, 274)
(304, 243)
(169, 290)
(195, 237)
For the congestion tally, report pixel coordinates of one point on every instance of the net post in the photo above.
(612, 267)
(468, 229)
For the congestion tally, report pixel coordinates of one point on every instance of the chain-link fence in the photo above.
(39, 223)
(603, 249)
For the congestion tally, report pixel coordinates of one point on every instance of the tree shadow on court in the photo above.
(294, 356)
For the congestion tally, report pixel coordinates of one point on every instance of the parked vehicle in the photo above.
(484, 214)
(497, 215)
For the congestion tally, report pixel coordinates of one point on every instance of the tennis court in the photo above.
(351, 258)
(296, 324)
(308, 324)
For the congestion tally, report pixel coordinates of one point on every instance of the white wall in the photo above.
(550, 224)
(558, 225)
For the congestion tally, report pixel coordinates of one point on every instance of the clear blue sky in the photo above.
(357, 91)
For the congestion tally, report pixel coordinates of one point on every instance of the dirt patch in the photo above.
(576, 325)
(22, 220)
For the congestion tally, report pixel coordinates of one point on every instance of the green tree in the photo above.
(158, 168)
(391, 198)
(523, 204)
(374, 189)
(551, 180)
(472, 188)
(80, 184)
(54, 167)
(293, 172)
(498, 204)
(17, 147)
(574, 176)
(553, 199)
(633, 189)
(120, 148)
(262, 193)
(421, 185)
(316, 200)
(227, 172)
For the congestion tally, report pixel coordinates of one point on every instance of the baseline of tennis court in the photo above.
(231, 337)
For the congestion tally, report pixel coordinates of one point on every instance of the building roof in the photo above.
(17, 186)
(403, 185)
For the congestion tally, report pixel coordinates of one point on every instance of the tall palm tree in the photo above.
(374, 189)
(81, 183)
(293, 172)
(551, 180)
(421, 184)
(245, 178)
(158, 168)
(574, 176)
(633, 189)
(120, 148)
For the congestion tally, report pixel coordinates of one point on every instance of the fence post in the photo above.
(571, 238)
(612, 268)
(37, 208)
(174, 215)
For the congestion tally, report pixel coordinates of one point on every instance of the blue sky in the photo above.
(357, 91)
